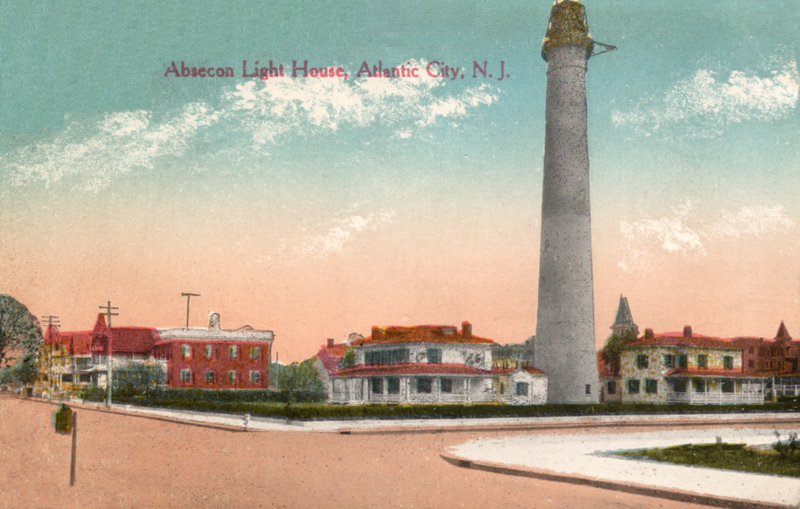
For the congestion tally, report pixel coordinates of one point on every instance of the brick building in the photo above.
(212, 358)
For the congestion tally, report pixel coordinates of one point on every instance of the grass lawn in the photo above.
(726, 457)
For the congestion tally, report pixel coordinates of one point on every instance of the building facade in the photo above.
(215, 358)
(423, 364)
(211, 358)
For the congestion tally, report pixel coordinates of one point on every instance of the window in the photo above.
(633, 386)
(186, 376)
(186, 351)
(209, 351)
(679, 385)
(255, 377)
(669, 361)
(393, 384)
(751, 364)
(233, 351)
(393, 356)
(683, 361)
(255, 352)
(424, 385)
(85, 379)
(727, 362)
(209, 377)
(521, 389)
(651, 386)
(641, 361)
(612, 387)
(588, 388)
(67, 379)
(231, 377)
(699, 385)
(446, 385)
(751, 349)
(727, 386)
(702, 360)
(377, 385)
(434, 356)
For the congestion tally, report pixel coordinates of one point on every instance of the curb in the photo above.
(542, 426)
(632, 488)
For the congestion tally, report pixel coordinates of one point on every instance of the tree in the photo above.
(136, 378)
(613, 348)
(348, 358)
(19, 329)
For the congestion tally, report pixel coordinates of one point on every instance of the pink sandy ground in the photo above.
(134, 462)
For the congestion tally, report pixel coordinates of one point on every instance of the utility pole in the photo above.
(188, 299)
(51, 321)
(108, 312)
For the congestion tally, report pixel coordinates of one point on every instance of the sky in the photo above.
(318, 207)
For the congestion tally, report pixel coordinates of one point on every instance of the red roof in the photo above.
(505, 371)
(331, 357)
(411, 369)
(678, 339)
(420, 334)
(76, 343)
(124, 340)
(725, 373)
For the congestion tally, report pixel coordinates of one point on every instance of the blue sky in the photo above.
(319, 207)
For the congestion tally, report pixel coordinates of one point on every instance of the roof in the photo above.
(127, 340)
(420, 334)
(412, 369)
(678, 339)
(707, 373)
(331, 357)
(783, 334)
(76, 343)
(624, 316)
(203, 334)
(505, 371)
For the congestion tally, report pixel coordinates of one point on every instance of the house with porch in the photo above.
(424, 364)
(686, 368)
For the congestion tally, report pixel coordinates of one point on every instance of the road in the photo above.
(127, 461)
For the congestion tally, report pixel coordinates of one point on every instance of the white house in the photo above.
(423, 364)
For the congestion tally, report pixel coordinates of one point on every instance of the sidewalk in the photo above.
(588, 459)
(235, 422)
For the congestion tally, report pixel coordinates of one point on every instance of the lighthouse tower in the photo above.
(565, 336)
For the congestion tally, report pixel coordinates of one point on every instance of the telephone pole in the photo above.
(109, 313)
(52, 321)
(188, 299)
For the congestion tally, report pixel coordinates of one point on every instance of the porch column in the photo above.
(467, 385)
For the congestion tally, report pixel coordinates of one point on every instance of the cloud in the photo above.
(345, 230)
(706, 103)
(305, 106)
(685, 234)
(106, 147)
(256, 114)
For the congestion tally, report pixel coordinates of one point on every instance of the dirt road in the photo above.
(134, 462)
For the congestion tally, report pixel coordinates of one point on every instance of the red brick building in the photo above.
(215, 358)
(211, 358)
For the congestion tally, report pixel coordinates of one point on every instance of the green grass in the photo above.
(725, 457)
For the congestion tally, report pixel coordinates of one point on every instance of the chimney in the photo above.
(466, 330)
(377, 334)
(213, 321)
(648, 334)
(330, 342)
(687, 331)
